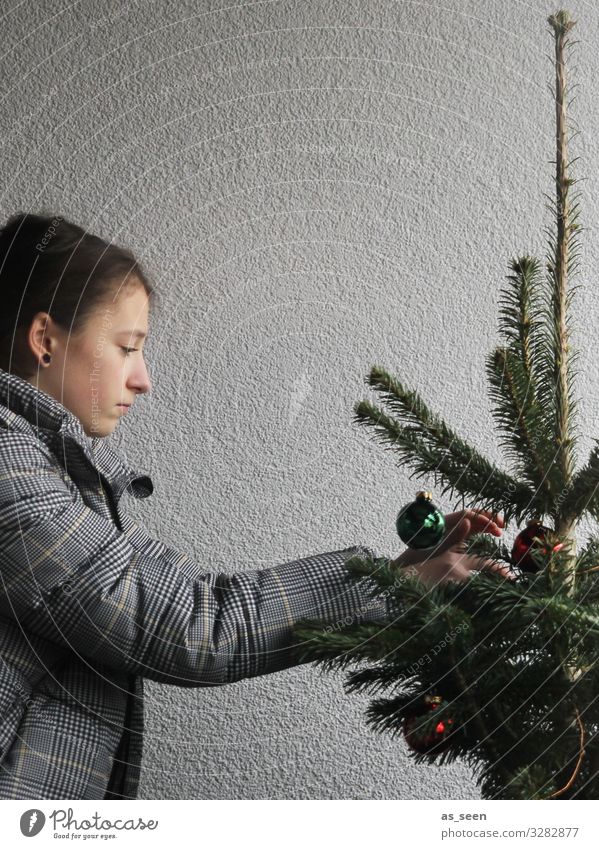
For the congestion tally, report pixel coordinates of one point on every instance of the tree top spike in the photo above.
(561, 22)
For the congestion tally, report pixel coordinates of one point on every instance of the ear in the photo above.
(41, 338)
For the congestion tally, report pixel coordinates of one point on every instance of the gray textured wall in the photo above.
(315, 187)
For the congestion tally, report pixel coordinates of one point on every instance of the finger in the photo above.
(451, 519)
(497, 518)
(456, 535)
(483, 521)
(506, 572)
(457, 573)
(497, 567)
(481, 564)
(486, 523)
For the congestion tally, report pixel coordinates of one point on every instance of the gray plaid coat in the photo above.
(90, 605)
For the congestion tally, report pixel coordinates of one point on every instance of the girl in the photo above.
(90, 603)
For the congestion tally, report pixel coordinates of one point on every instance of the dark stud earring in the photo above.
(46, 358)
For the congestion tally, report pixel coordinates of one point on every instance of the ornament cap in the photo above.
(424, 495)
(431, 743)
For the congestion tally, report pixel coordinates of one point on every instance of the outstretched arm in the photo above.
(70, 575)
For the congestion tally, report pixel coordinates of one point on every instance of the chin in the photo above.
(99, 430)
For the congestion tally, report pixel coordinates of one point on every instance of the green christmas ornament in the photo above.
(420, 524)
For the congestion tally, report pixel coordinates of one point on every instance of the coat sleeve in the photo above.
(71, 576)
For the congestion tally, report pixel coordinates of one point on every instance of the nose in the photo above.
(139, 379)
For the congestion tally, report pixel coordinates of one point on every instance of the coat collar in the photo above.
(30, 410)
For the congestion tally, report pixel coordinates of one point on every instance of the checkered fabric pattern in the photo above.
(91, 604)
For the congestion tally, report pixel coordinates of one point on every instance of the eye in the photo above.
(128, 350)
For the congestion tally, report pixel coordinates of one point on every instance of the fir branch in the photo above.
(379, 569)
(387, 714)
(528, 782)
(485, 547)
(375, 678)
(521, 424)
(518, 311)
(582, 496)
(515, 375)
(430, 447)
(503, 600)
(337, 648)
(588, 557)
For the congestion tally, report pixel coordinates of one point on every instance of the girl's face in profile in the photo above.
(98, 372)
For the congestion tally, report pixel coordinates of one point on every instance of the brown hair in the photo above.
(49, 264)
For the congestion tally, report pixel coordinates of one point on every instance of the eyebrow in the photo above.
(138, 334)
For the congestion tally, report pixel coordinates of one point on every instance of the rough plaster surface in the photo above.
(315, 187)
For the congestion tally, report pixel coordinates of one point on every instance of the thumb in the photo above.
(455, 536)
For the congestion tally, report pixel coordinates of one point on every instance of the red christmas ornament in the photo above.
(532, 537)
(426, 743)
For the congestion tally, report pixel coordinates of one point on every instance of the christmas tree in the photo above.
(499, 673)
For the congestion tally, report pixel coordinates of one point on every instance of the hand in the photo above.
(447, 561)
